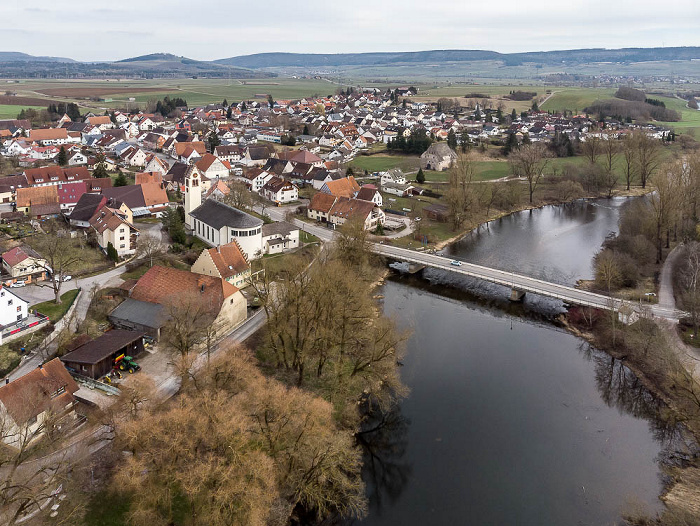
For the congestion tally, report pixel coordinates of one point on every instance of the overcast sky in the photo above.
(211, 29)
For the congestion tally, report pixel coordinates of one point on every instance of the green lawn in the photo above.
(56, 312)
(8, 111)
(382, 163)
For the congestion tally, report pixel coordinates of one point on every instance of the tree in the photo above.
(270, 101)
(173, 221)
(229, 112)
(239, 448)
(592, 149)
(665, 202)
(121, 179)
(112, 252)
(610, 151)
(100, 171)
(607, 270)
(306, 130)
(513, 115)
(690, 279)
(225, 103)
(239, 196)
(529, 162)
(56, 248)
(149, 247)
(452, 139)
(629, 155)
(460, 196)
(420, 176)
(62, 158)
(648, 156)
(214, 141)
(511, 144)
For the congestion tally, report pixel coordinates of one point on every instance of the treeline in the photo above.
(521, 95)
(626, 110)
(475, 95)
(167, 106)
(416, 143)
(56, 111)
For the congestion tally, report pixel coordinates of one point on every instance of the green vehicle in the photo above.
(126, 363)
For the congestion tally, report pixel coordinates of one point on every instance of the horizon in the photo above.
(338, 28)
(427, 50)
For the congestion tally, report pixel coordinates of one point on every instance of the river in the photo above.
(511, 420)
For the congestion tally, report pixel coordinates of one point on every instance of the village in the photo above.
(165, 220)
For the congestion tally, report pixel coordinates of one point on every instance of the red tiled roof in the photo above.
(163, 284)
(229, 260)
(35, 392)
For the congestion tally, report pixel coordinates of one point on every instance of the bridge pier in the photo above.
(414, 268)
(517, 295)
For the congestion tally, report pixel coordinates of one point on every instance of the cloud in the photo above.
(221, 28)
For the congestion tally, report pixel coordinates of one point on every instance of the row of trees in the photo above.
(416, 143)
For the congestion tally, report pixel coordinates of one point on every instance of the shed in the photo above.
(95, 358)
(135, 315)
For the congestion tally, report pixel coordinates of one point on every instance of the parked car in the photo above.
(67, 278)
(18, 283)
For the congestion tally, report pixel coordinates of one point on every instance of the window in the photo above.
(19, 317)
(121, 238)
(122, 245)
(19, 309)
(9, 302)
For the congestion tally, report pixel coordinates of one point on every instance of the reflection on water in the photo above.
(511, 420)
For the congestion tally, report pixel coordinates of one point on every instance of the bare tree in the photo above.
(665, 202)
(592, 149)
(56, 248)
(610, 151)
(629, 154)
(648, 156)
(149, 247)
(690, 278)
(460, 196)
(239, 196)
(529, 162)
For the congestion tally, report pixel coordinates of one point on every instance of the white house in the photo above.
(279, 237)
(280, 191)
(395, 176)
(12, 307)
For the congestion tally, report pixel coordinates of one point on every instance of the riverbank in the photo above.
(499, 214)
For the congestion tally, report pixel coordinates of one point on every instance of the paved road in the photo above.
(38, 293)
(666, 298)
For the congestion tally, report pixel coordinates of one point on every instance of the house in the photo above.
(37, 196)
(320, 206)
(142, 316)
(395, 176)
(53, 175)
(89, 204)
(95, 358)
(369, 192)
(212, 167)
(217, 223)
(50, 136)
(171, 287)
(279, 237)
(156, 164)
(345, 209)
(12, 308)
(439, 156)
(77, 159)
(9, 185)
(23, 262)
(256, 156)
(69, 194)
(280, 191)
(112, 227)
(189, 152)
(225, 261)
(103, 122)
(344, 187)
(217, 191)
(401, 190)
(38, 402)
(254, 178)
(230, 153)
(143, 199)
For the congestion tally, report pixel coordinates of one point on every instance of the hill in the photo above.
(14, 56)
(549, 58)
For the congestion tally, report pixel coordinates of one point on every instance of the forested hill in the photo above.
(569, 57)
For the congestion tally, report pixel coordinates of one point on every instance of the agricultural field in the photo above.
(195, 91)
(575, 99)
(10, 111)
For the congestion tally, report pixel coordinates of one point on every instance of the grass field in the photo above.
(382, 163)
(8, 111)
(56, 312)
(575, 99)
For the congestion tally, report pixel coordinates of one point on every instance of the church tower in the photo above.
(193, 194)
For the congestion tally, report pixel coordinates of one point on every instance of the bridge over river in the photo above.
(518, 283)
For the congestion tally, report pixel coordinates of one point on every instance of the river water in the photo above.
(511, 420)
